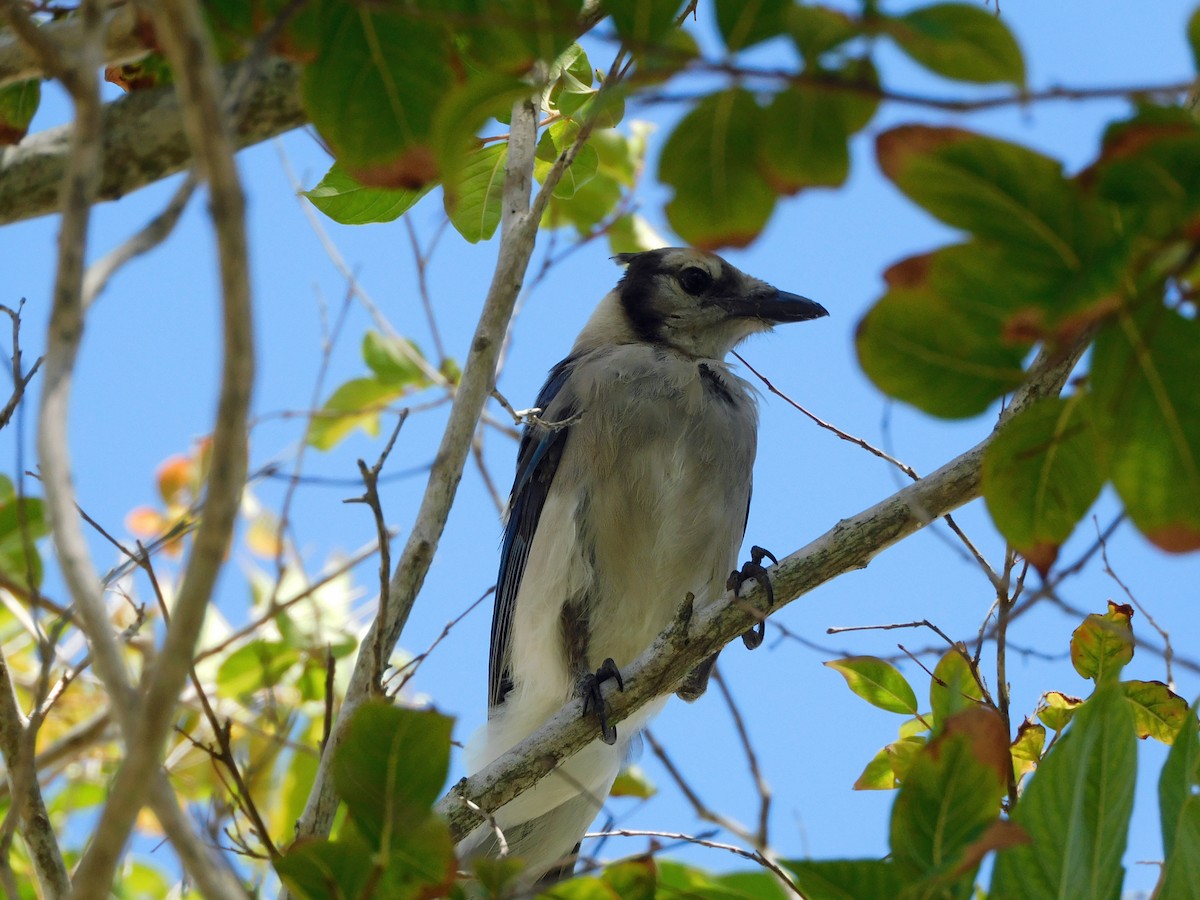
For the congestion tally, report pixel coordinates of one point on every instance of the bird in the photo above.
(632, 492)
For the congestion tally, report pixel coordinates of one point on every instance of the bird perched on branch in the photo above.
(632, 491)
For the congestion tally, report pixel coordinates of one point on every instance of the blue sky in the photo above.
(146, 391)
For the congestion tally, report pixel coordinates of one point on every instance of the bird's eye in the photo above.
(695, 281)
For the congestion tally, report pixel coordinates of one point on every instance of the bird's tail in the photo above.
(545, 825)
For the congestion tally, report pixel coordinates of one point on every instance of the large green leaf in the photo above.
(1041, 474)
(1076, 809)
(923, 344)
(1013, 196)
(959, 41)
(950, 796)
(641, 23)
(817, 29)
(355, 404)
(474, 203)
(394, 360)
(390, 767)
(1158, 712)
(720, 198)
(1147, 411)
(1179, 806)
(374, 88)
(346, 201)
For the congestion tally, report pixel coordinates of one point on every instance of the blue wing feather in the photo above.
(537, 461)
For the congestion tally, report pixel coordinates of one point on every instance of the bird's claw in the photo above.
(593, 699)
(755, 571)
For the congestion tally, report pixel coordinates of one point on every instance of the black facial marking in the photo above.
(713, 383)
(635, 290)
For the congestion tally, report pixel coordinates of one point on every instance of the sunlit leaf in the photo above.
(1026, 749)
(845, 879)
(257, 665)
(1158, 712)
(22, 522)
(1179, 807)
(356, 404)
(326, 870)
(954, 686)
(878, 682)
(878, 774)
(475, 212)
(1056, 709)
(394, 360)
(632, 781)
(1103, 644)
(346, 201)
(632, 880)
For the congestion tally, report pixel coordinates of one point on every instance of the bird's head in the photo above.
(693, 302)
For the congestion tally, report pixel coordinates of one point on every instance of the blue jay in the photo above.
(632, 491)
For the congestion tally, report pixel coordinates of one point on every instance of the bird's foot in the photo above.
(593, 699)
(754, 571)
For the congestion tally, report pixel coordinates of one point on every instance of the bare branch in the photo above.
(64, 39)
(143, 141)
(185, 38)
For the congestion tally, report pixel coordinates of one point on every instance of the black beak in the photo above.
(777, 307)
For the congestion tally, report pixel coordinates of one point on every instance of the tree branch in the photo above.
(143, 141)
(122, 43)
(850, 544)
(185, 38)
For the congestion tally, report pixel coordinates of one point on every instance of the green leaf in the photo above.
(257, 665)
(1158, 712)
(807, 143)
(642, 22)
(374, 88)
(419, 861)
(901, 753)
(919, 344)
(394, 360)
(1147, 410)
(1041, 474)
(1026, 750)
(461, 114)
(951, 794)
(632, 880)
(676, 880)
(1001, 192)
(816, 30)
(1103, 644)
(346, 201)
(18, 103)
(744, 23)
(356, 404)
(474, 203)
(390, 768)
(632, 233)
(1056, 709)
(720, 199)
(954, 686)
(555, 141)
(1076, 808)
(1179, 806)
(845, 879)
(632, 781)
(326, 870)
(878, 774)
(960, 41)
(22, 521)
(878, 682)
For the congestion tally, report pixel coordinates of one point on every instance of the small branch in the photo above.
(370, 477)
(143, 141)
(20, 379)
(761, 842)
(179, 26)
